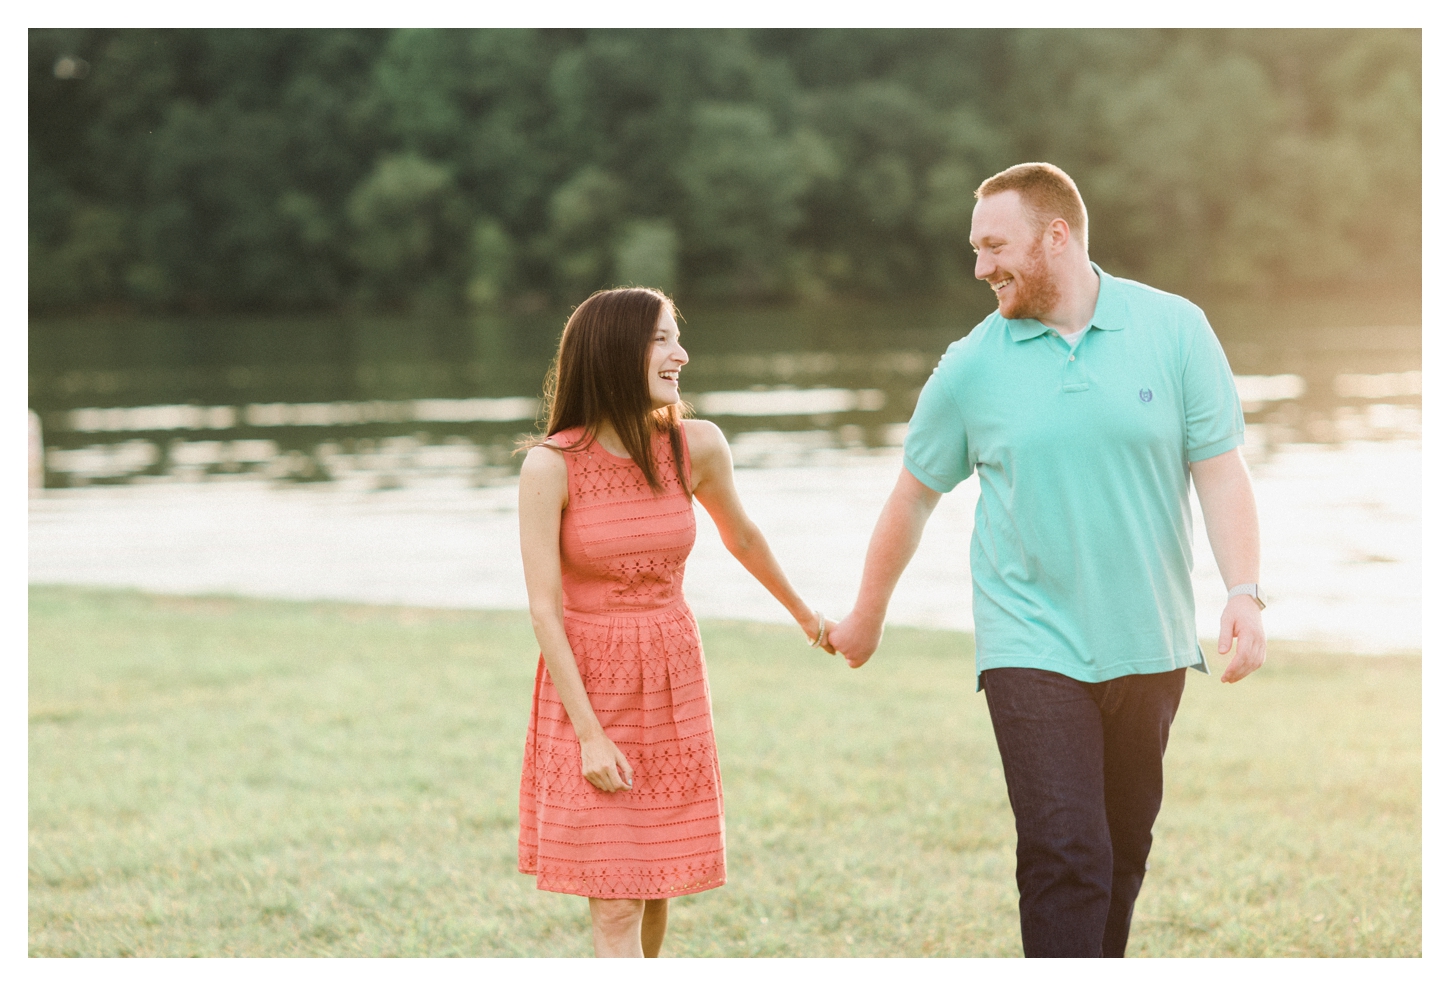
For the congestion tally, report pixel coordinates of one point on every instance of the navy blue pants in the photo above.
(1084, 770)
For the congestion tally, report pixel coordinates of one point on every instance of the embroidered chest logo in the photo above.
(1145, 395)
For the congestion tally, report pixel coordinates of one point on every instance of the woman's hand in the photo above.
(604, 766)
(826, 640)
(811, 627)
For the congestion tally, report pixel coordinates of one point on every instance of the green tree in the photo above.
(316, 169)
(408, 224)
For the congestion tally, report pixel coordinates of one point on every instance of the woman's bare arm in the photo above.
(712, 472)
(543, 494)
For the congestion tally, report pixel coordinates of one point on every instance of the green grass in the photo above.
(232, 777)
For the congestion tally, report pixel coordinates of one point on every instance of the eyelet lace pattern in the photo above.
(635, 641)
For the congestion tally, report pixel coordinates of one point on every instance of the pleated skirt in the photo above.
(645, 676)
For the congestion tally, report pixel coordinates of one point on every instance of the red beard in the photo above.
(1035, 291)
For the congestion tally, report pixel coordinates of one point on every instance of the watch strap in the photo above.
(1248, 589)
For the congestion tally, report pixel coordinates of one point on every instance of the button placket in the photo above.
(1073, 379)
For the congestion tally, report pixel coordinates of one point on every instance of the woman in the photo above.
(620, 800)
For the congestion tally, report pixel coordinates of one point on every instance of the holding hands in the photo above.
(855, 638)
(818, 629)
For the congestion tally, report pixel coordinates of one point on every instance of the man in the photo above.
(1084, 404)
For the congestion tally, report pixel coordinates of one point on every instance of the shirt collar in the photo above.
(1108, 314)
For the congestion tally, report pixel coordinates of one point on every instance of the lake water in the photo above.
(370, 458)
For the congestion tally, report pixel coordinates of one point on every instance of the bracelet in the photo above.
(821, 633)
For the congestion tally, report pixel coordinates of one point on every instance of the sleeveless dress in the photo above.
(622, 551)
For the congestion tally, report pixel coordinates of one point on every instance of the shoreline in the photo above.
(1341, 533)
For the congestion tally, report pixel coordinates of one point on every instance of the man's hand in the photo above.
(893, 542)
(1232, 523)
(1242, 621)
(856, 638)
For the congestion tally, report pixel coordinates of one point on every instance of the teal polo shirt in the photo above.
(1083, 539)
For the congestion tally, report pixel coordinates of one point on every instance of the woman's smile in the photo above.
(667, 356)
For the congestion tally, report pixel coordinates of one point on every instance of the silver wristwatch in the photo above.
(1248, 589)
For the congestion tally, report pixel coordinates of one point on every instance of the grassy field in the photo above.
(232, 777)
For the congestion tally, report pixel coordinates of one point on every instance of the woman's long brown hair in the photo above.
(601, 374)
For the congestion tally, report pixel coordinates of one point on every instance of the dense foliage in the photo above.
(303, 170)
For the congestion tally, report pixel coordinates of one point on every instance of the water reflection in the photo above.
(175, 417)
(379, 403)
(373, 459)
(780, 425)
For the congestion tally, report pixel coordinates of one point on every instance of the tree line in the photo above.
(312, 170)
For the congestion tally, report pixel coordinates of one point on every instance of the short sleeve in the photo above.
(938, 452)
(1213, 417)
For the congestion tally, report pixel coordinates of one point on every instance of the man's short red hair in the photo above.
(1047, 192)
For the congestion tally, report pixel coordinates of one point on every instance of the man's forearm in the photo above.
(1232, 522)
(1230, 516)
(893, 542)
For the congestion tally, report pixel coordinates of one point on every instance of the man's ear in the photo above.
(1058, 235)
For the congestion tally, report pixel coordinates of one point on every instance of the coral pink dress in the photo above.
(622, 551)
